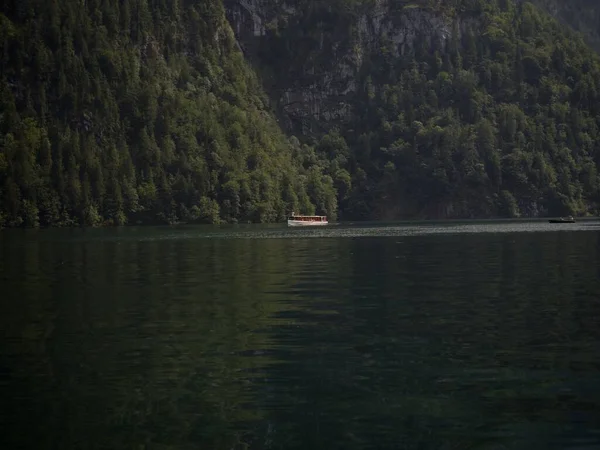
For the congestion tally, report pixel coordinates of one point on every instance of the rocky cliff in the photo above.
(315, 57)
(313, 81)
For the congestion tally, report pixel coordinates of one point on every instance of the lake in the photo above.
(458, 335)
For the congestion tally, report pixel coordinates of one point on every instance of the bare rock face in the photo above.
(315, 57)
(247, 18)
(315, 61)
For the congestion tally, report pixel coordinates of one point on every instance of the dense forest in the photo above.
(581, 15)
(125, 111)
(128, 111)
(499, 118)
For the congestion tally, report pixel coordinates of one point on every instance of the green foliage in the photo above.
(498, 118)
(115, 112)
(508, 205)
(581, 15)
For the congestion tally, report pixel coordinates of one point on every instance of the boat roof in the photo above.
(304, 215)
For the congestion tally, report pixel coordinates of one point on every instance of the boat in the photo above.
(569, 219)
(297, 220)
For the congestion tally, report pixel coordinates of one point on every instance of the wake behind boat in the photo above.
(296, 220)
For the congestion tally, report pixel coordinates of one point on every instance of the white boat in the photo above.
(306, 221)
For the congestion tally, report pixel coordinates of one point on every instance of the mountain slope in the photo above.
(122, 111)
(581, 15)
(467, 108)
(119, 111)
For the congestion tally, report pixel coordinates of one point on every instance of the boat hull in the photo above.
(305, 223)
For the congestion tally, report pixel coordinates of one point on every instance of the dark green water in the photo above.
(483, 336)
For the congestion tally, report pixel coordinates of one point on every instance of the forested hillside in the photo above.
(126, 111)
(465, 108)
(116, 111)
(581, 15)
(503, 121)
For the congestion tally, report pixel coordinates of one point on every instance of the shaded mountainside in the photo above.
(115, 111)
(467, 108)
(119, 111)
(581, 15)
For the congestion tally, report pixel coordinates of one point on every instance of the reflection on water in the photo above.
(386, 340)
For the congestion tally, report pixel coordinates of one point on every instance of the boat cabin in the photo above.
(308, 218)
